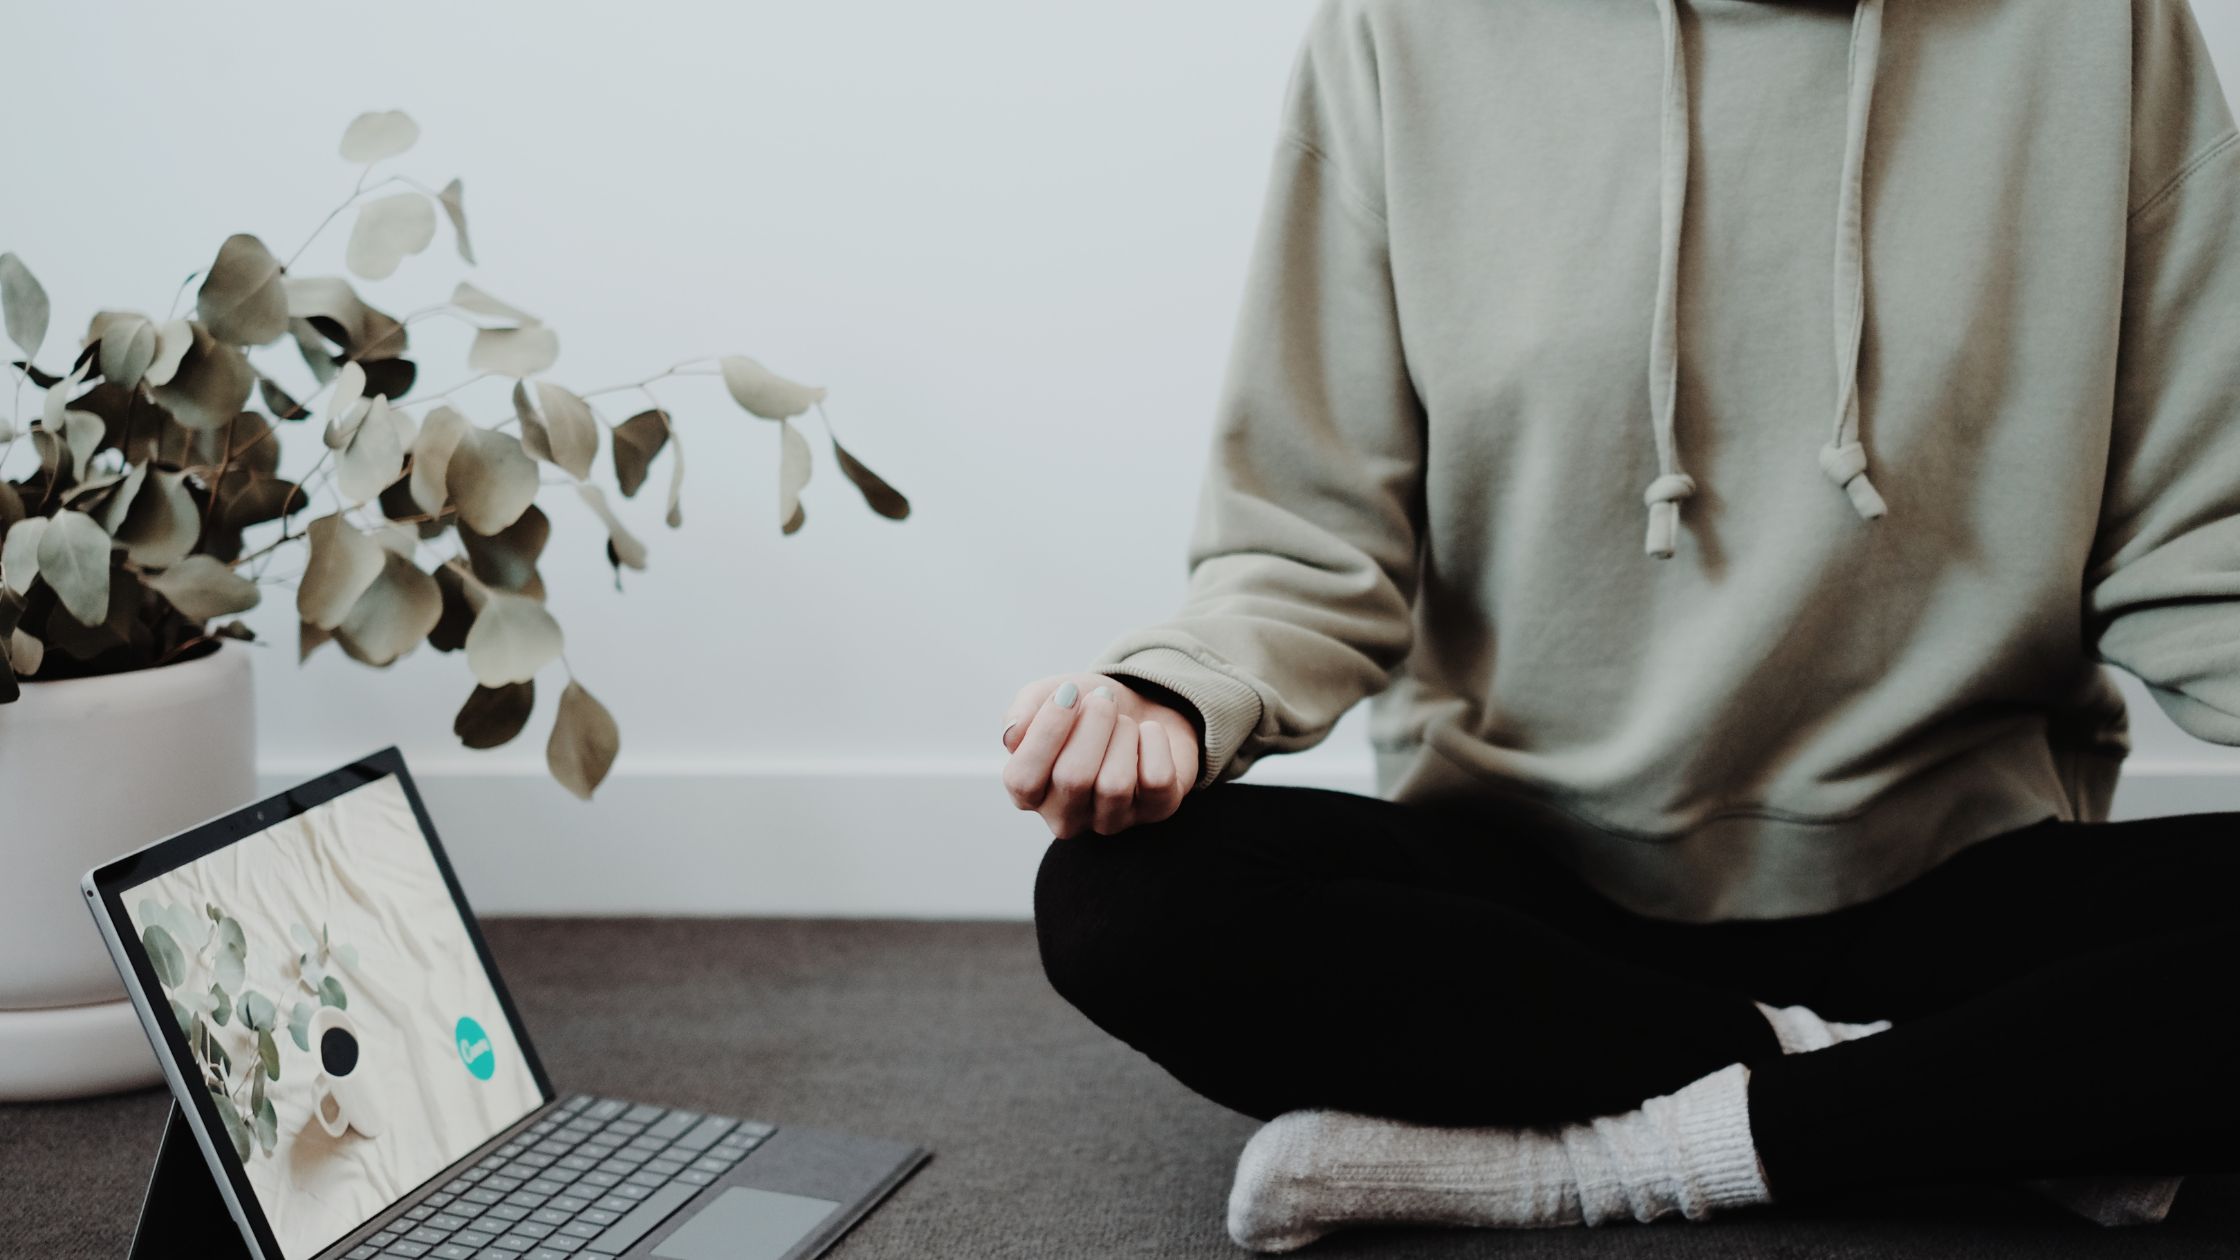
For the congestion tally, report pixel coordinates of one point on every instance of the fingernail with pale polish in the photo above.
(1067, 694)
(1106, 692)
(1005, 738)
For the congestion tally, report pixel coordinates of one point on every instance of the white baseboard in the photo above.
(911, 839)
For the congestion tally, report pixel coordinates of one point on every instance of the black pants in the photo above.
(2065, 997)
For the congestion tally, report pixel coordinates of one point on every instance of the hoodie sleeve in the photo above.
(1302, 560)
(2165, 580)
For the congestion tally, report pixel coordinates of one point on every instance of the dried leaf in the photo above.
(469, 298)
(570, 428)
(204, 589)
(584, 742)
(309, 639)
(388, 230)
(507, 560)
(163, 523)
(58, 397)
(637, 443)
(342, 564)
(336, 312)
(394, 615)
(23, 305)
(515, 352)
(312, 345)
(374, 457)
(74, 560)
(391, 378)
(19, 554)
(211, 385)
(431, 458)
(128, 346)
(242, 300)
(451, 629)
(454, 199)
(110, 508)
(343, 410)
(623, 547)
(25, 653)
(513, 637)
(793, 474)
(764, 392)
(174, 337)
(280, 402)
(492, 716)
(251, 499)
(81, 433)
(675, 515)
(491, 478)
(381, 134)
(533, 439)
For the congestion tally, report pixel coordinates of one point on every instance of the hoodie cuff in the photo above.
(1228, 709)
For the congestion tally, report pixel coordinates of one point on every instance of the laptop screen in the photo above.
(337, 1008)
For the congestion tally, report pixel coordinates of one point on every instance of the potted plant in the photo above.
(143, 510)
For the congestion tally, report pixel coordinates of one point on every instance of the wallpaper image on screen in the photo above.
(340, 1017)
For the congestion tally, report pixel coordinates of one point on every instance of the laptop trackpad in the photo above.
(746, 1224)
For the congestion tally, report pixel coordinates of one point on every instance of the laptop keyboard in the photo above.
(584, 1183)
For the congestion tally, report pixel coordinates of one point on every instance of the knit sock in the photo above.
(1307, 1173)
(2106, 1200)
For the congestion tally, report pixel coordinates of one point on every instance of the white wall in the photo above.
(1007, 234)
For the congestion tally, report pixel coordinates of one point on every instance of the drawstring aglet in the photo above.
(1663, 497)
(1846, 465)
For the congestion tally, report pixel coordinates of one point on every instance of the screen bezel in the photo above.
(107, 886)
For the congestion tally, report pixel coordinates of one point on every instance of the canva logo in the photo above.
(474, 1048)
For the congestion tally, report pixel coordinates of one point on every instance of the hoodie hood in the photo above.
(1844, 458)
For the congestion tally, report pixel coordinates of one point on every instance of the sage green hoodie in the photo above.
(1727, 437)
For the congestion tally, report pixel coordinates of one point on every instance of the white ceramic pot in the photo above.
(91, 768)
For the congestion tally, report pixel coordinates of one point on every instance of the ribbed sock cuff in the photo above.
(1719, 1157)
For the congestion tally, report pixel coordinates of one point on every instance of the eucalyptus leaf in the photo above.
(793, 474)
(299, 1025)
(279, 401)
(431, 459)
(450, 634)
(387, 231)
(164, 955)
(74, 560)
(675, 515)
(373, 457)
(491, 478)
(764, 392)
(515, 352)
(56, 401)
(203, 589)
(342, 564)
(268, 1053)
(163, 524)
(570, 427)
(637, 443)
(25, 654)
(23, 305)
(211, 384)
(346, 405)
(454, 199)
(236, 1129)
(622, 545)
(492, 716)
(334, 311)
(226, 966)
(242, 299)
(174, 338)
(226, 932)
(513, 637)
(393, 616)
(584, 742)
(331, 994)
(19, 554)
(379, 134)
(221, 1008)
(128, 346)
(256, 1011)
(471, 299)
(268, 1120)
(81, 435)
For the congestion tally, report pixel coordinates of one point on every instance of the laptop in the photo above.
(358, 1083)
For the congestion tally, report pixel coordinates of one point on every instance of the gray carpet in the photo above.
(1050, 1140)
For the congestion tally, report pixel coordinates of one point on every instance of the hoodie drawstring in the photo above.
(1843, 459)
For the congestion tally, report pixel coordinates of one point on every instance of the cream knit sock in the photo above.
(2104, 1200)
(1688, 1153)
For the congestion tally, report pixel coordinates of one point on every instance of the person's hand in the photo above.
(1088, 753)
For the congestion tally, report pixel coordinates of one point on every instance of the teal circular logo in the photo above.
(474, 1048)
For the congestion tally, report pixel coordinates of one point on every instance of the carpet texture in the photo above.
(1049, 1139)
